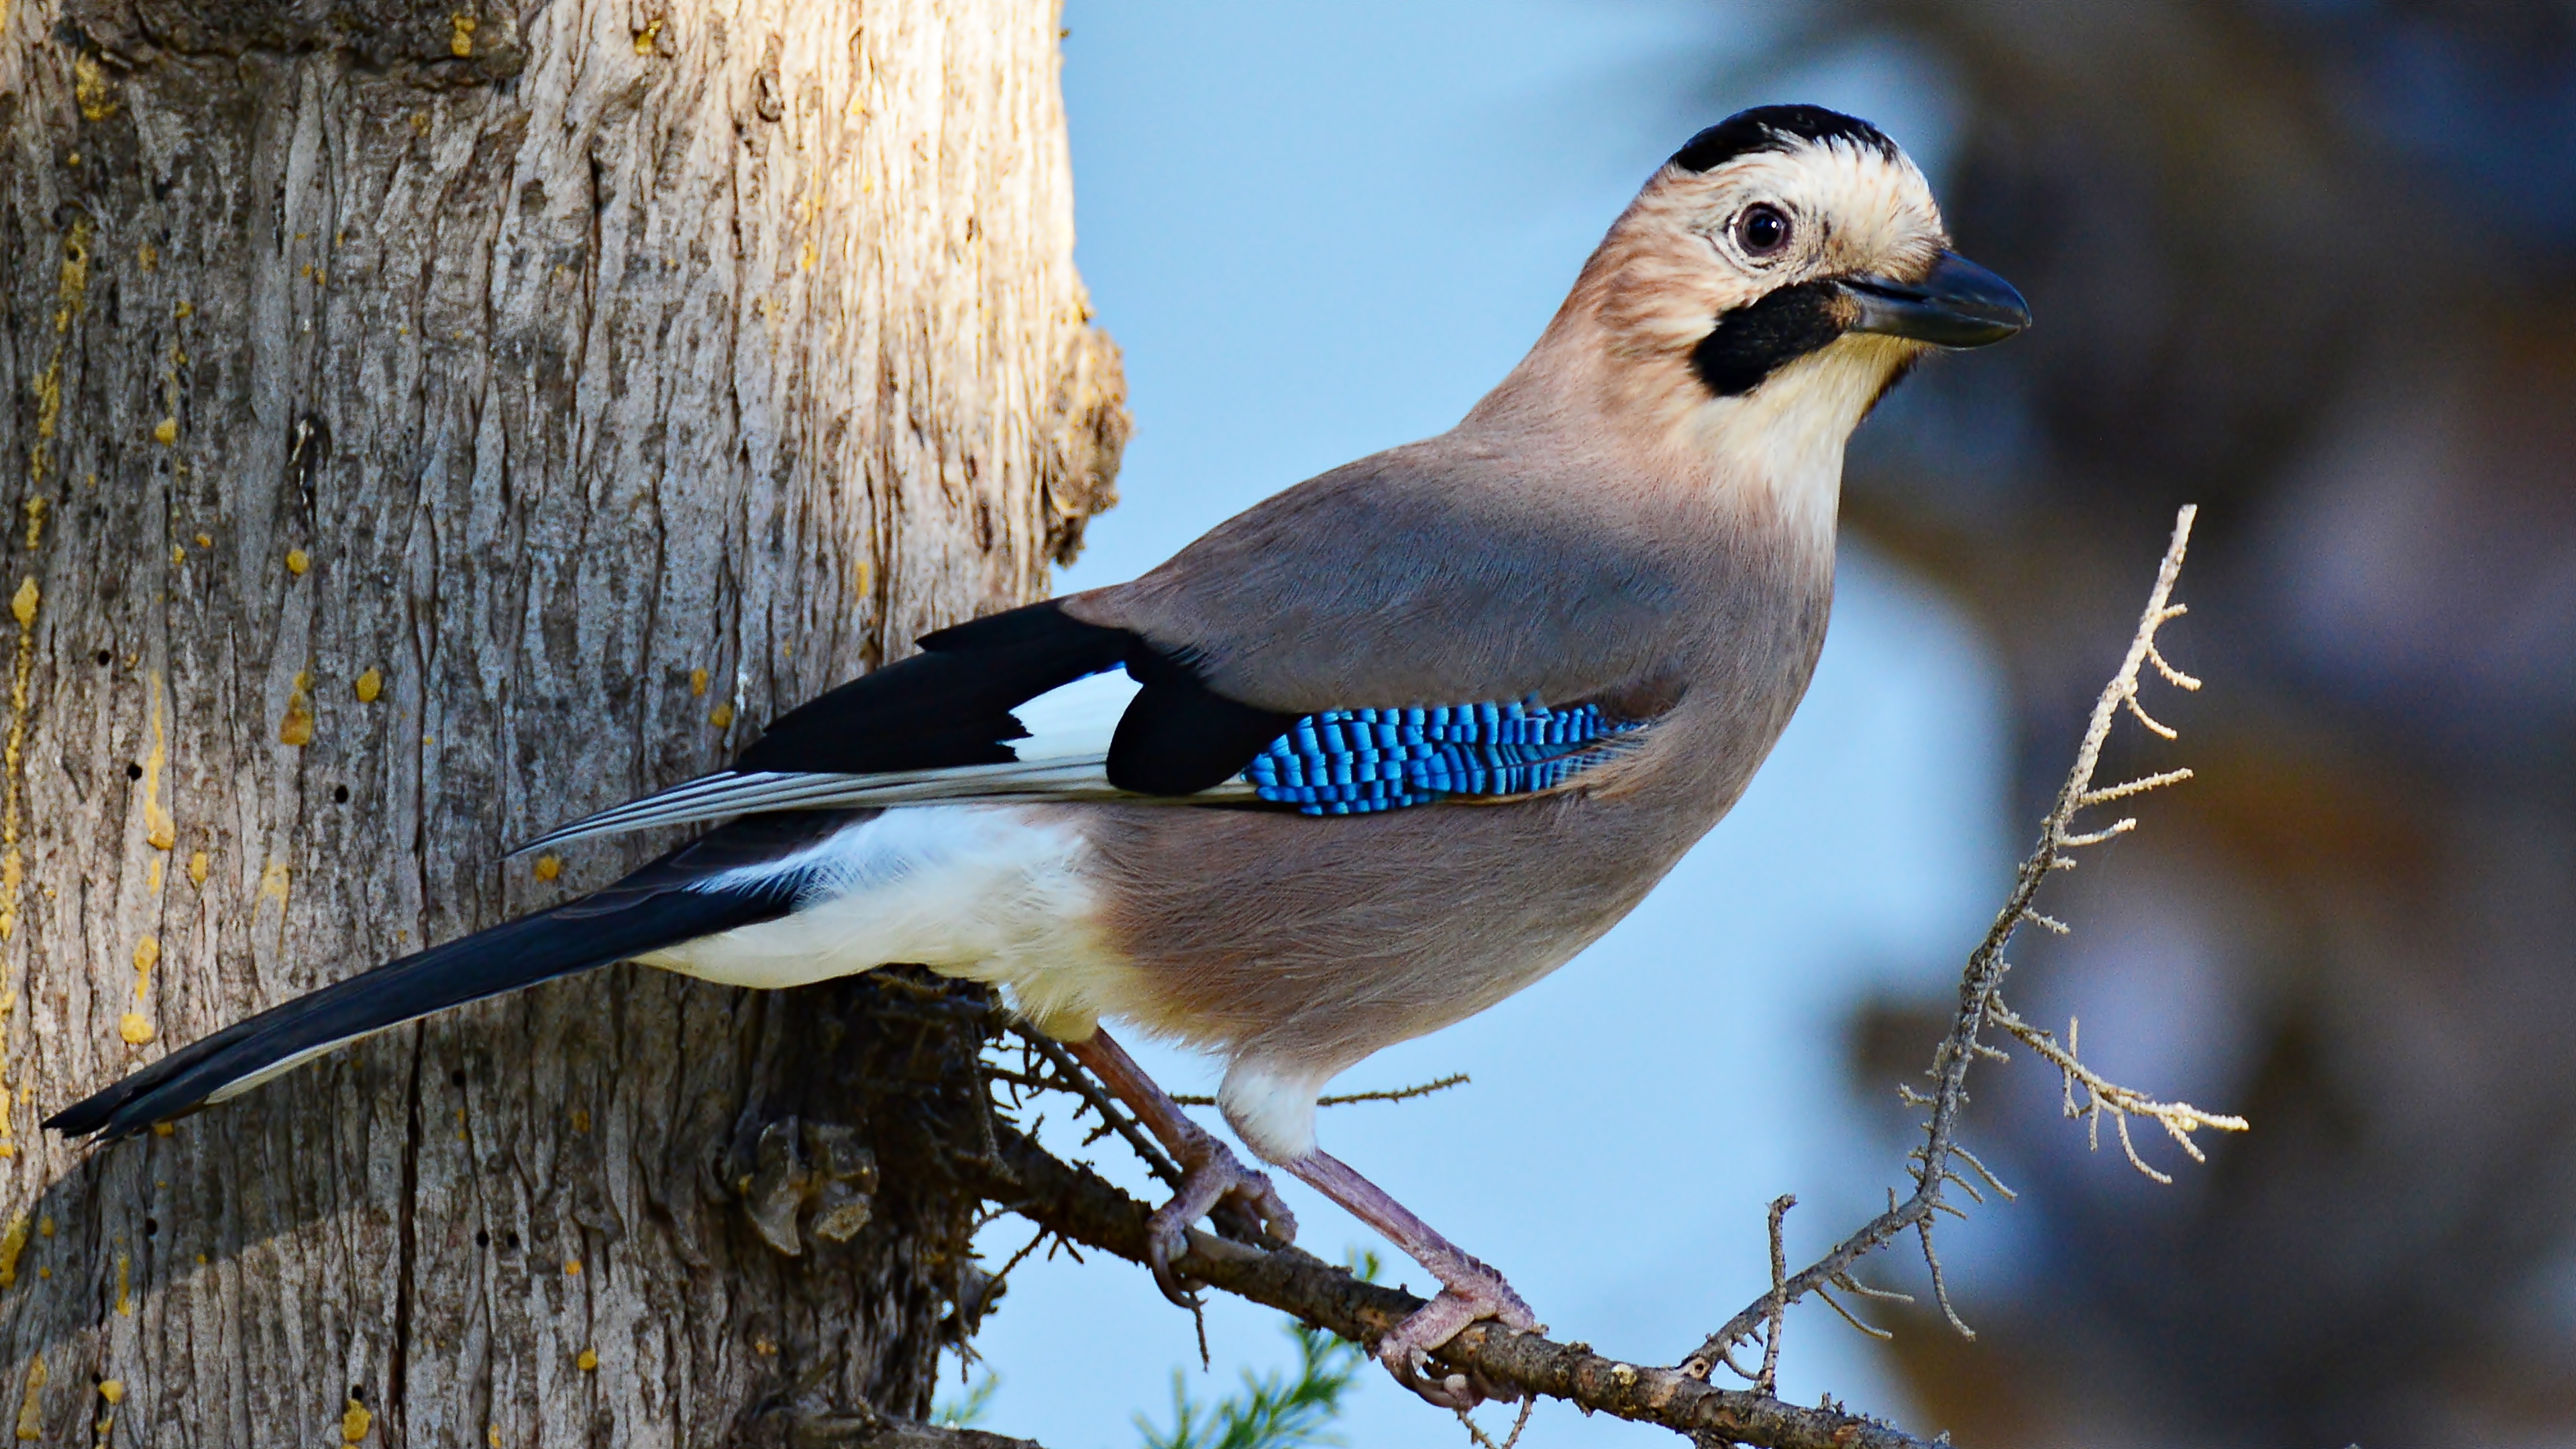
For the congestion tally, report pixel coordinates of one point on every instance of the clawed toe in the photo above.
(1406, 1350)
(1214, 1181)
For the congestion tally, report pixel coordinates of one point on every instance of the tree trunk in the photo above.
(432, 422)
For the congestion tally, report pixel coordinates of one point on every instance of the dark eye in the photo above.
(1762, 230)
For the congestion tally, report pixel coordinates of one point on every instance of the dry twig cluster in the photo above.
(1078, 1207)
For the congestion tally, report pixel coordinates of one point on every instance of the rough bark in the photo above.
(429, 421)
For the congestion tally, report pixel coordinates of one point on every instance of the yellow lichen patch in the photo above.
(35, 522)
(297, 561)
(164, 1129)
(205, 540)
(580, 1120)
(354, 1422)
(160, 830)
(12, 863)
(572, 1267)
(72, 283)
(697, 683)
(460, 37)
(147, 954)
(549, 867)
(184, 310)
(125, 1285)
(49, 415)
(152, 876)
(112, 1390)
(370, 684)
(148, 257)
(296, 728)
(178, 555)
(273, 883)
(805, 261)
(644, 39)
(45, 1226)
(31, 1411)
(135, 1028)
(492, 1435)
(585, 1360)
(8, 1102)
(12, 1243)
(89, 87)
(166, 431)
(721, 716)
(198, 865)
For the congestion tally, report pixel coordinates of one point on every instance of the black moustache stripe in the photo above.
(1756, 340)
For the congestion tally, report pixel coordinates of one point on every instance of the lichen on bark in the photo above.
(429, 422)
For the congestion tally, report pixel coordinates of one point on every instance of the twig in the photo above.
(2179, 1119)
(1398, 1094)
(1520, 1421)
(1979, 1004)
(1079, 1206)
(1768, 1381)
(1110, 1116)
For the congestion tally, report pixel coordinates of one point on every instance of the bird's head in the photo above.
(1769, 284)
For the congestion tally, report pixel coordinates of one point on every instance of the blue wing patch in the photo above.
(1357, 761)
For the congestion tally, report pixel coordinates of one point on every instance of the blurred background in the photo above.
(2308, 263)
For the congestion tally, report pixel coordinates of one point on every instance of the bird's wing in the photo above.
(1031, 704)
(1365, 640)
(743, 874)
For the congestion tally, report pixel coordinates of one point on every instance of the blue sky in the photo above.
(1324, 229)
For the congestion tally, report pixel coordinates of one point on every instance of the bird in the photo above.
(1360, 762)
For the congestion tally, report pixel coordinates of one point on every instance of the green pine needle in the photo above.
(1272, 1410)
(968, 1411)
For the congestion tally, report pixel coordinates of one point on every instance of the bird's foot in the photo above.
(1469, 1292)
(1214, 1182)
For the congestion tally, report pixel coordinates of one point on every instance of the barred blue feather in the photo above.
(1356, 761)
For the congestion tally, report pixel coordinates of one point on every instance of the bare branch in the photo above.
(1079, 1206)
(2179, 1119)
(1979, 1005)
(1768, 1381)
(1520, 1421)
(1112, 1118)
(1398, 1094)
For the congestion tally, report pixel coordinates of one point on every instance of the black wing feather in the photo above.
(951, 705)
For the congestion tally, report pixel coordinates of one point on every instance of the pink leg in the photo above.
(1209, 1172)
(1468, 1289)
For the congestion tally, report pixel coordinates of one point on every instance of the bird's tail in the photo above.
(614, 925)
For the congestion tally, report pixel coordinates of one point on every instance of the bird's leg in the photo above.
(1210, 1173)
(1468, 1289)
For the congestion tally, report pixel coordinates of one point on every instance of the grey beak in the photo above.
(1957, 304)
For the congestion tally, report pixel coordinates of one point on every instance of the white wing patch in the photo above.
(1075, 721)
(990, 894)
(1065, 757)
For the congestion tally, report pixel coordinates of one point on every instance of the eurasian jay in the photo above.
(1362, 761)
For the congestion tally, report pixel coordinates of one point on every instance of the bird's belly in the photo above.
(988, 893)
(1321, 941)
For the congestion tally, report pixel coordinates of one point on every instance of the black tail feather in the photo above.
(615, 925)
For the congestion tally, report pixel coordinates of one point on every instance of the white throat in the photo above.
(1781, 444)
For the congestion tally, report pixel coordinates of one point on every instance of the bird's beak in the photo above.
(1956, 304)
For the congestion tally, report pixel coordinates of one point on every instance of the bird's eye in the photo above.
(1762, 230)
